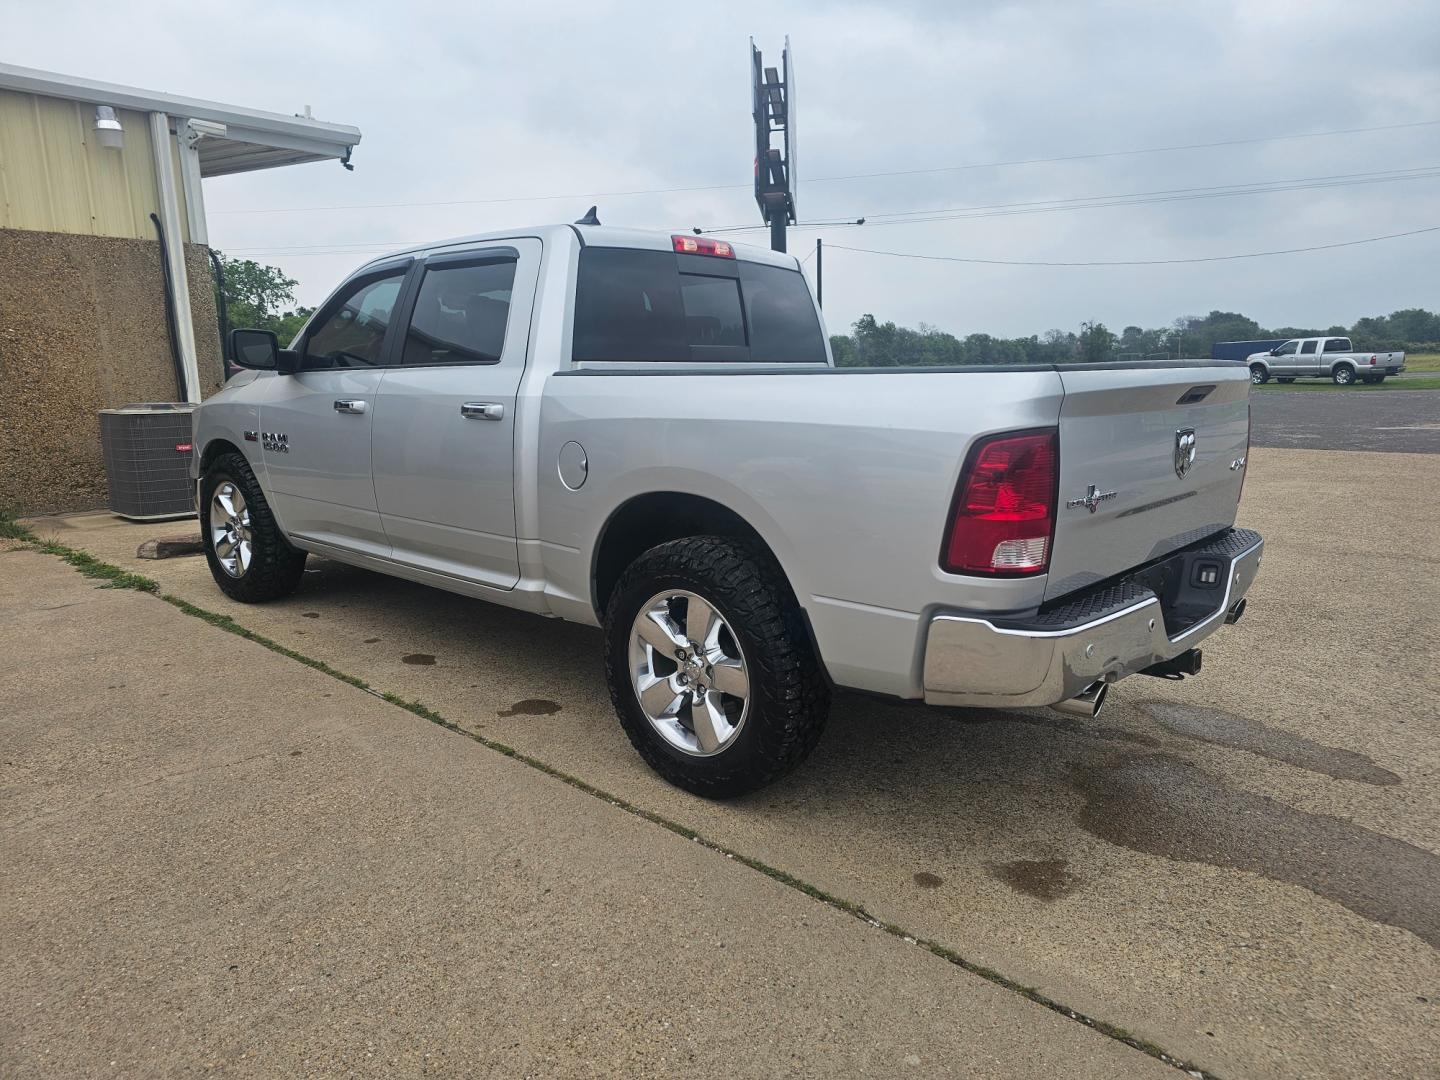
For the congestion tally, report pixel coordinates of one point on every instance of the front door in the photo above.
(444, 446)
(316, 423)
(1282, 362)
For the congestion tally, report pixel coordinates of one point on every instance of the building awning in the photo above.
(231, 139)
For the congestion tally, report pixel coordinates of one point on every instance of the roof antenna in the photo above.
(589, 218)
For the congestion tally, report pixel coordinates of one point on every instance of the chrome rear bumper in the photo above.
(1105, 634)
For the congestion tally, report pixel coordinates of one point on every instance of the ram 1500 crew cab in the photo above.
(645, 432)
(1323, 358)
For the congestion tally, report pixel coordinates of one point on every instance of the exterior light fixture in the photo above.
(107, 128)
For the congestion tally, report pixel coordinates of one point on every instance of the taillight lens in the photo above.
(1004, 517)
(702, 245)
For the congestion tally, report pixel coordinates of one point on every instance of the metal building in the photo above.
(83, 283)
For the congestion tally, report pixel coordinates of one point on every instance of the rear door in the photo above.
(1150, 460)
(316, 423)
(1334, 349)
(444, 454)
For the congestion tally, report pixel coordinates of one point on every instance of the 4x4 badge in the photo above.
(1092, 500)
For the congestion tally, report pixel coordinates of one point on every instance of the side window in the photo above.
(1288, 349)
(1338, 344)
(353, 334)
(1308, 347)
(461, 313)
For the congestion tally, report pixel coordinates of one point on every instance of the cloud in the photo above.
(460, 101)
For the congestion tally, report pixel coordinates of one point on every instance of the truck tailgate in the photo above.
(1129, 491)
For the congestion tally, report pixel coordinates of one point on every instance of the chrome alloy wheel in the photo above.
(689, 673)
(230, 529)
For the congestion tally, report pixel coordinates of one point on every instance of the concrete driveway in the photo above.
(218, 860)
(1241, 869)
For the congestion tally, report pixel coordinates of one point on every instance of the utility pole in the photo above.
(820, 271)
(772, 97)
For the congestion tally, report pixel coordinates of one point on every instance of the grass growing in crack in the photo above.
(116, 578)
(10, 529)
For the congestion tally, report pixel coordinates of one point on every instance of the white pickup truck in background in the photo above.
(645, 432)
(1322, 358)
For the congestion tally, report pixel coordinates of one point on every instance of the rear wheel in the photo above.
(249, 557)
(710, 668)
(1258, 375)
(1343, 375)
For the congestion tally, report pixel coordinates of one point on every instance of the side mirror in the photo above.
(1274, 352)
(260, 350)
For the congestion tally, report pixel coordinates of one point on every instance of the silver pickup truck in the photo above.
(1322, 358)
(645, 432)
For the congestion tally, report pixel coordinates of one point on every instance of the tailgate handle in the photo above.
(482, 410)
(1195, 394)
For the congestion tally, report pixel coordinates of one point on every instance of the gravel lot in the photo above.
(1399, 421)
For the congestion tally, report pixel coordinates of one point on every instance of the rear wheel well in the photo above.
(656, 518)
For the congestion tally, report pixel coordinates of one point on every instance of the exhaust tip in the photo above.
(1087, 703)
(1234, 614)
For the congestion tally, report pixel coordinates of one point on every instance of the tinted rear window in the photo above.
(783, 325)
(646, 306)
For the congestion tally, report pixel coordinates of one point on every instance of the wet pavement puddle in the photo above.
(1220, 728)
(1046, 880)
(1161, 805)
(422, 659)
(531, 707)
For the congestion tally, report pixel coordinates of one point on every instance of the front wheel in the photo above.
(1343, 375)
(710, 667)
(249, 557)
(1258, 375)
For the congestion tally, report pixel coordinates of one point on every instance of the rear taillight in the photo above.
(1004, 517)
(1372, 361)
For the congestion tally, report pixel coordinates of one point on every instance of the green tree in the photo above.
(261, 297)
(1096, 343)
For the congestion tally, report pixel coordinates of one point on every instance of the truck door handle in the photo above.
(350, 405)
(482, 410)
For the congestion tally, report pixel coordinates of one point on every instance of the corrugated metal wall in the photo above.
(56, 177)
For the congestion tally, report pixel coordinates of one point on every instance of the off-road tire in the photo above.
(1343, 375)
(275, 566)
(1258, 375)
(789, 696)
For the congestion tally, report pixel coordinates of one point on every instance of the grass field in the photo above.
(1422, 362)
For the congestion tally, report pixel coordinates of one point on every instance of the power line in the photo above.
(991, 210)
(848, 176)
(1131, 153)
(1138, 198)
(1136, 262)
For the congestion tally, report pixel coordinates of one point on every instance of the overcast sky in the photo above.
(474, 101)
